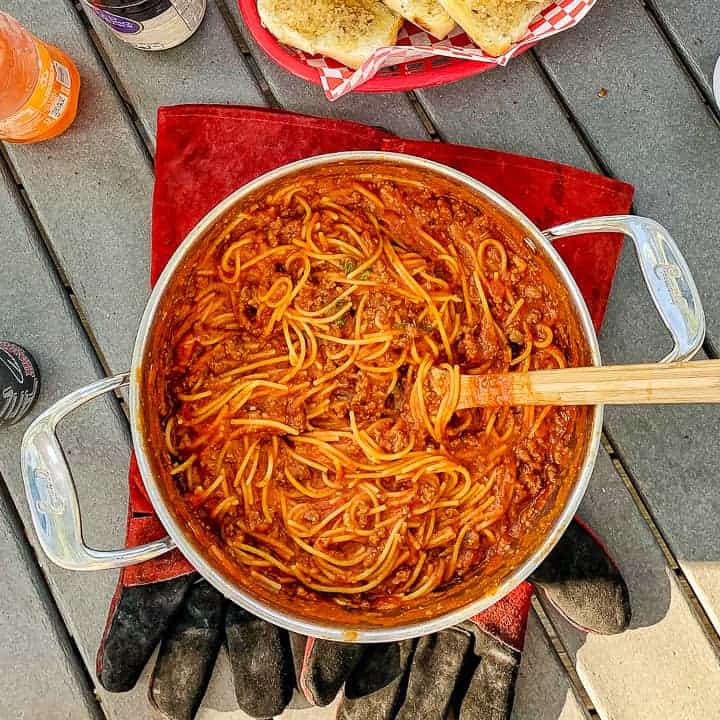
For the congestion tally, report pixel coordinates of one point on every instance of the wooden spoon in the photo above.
(686, 382)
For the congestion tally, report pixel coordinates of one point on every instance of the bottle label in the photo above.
(48, 103)
(62, 74)
(19, 383)
(117, 23)
(164, 27)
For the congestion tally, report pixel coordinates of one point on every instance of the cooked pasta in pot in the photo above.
(298, 424)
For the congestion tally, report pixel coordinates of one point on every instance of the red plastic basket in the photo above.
(428, 72)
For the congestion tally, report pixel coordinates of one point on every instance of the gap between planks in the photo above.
(562, 655)
(45, 247)
(37, 577)
(113, 79)
(425, 119)
(246, 55)
(592, 148)
(685, 586)
(701, 85)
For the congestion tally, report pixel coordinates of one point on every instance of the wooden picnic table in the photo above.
(74, 230)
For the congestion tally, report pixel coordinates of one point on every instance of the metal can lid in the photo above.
(19, 382)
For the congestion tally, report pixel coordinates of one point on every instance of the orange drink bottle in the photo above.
(39, 86)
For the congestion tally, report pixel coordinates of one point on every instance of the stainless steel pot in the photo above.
(51, 492)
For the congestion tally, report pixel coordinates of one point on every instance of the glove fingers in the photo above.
(583, 583)
(491, 690)
(188, 653)
(435, 668)
(375, 689)
(137, 622)
(324, 667)
(261, 662)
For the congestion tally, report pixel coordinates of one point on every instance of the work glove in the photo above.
(471, 667)
(191, 620)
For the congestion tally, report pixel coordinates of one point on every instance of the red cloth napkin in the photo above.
(205, 152)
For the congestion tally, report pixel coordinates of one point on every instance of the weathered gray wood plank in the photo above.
(91, 189)
(673, 456)
(543, 691)
(393, 112)
(208, 68)
(693, 25)
(35, 656)
(653, 130)
(37, 315)
(509, 109)
(663, 666)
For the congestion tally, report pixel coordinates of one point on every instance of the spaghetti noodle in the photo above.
(298, 422)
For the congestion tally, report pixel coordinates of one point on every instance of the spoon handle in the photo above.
(687, 382)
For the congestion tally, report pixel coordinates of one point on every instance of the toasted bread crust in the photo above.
(427, 14)
(348, 31)
(494, 25)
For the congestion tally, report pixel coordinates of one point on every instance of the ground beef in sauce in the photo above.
(278, 420)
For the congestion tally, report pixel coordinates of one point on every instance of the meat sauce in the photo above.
(297, 426)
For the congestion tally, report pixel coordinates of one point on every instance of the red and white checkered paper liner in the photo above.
(415, 44)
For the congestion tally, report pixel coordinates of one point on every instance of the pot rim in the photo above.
(189, 547)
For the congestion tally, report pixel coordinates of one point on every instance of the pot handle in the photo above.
(52, 494)
(666, 275)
